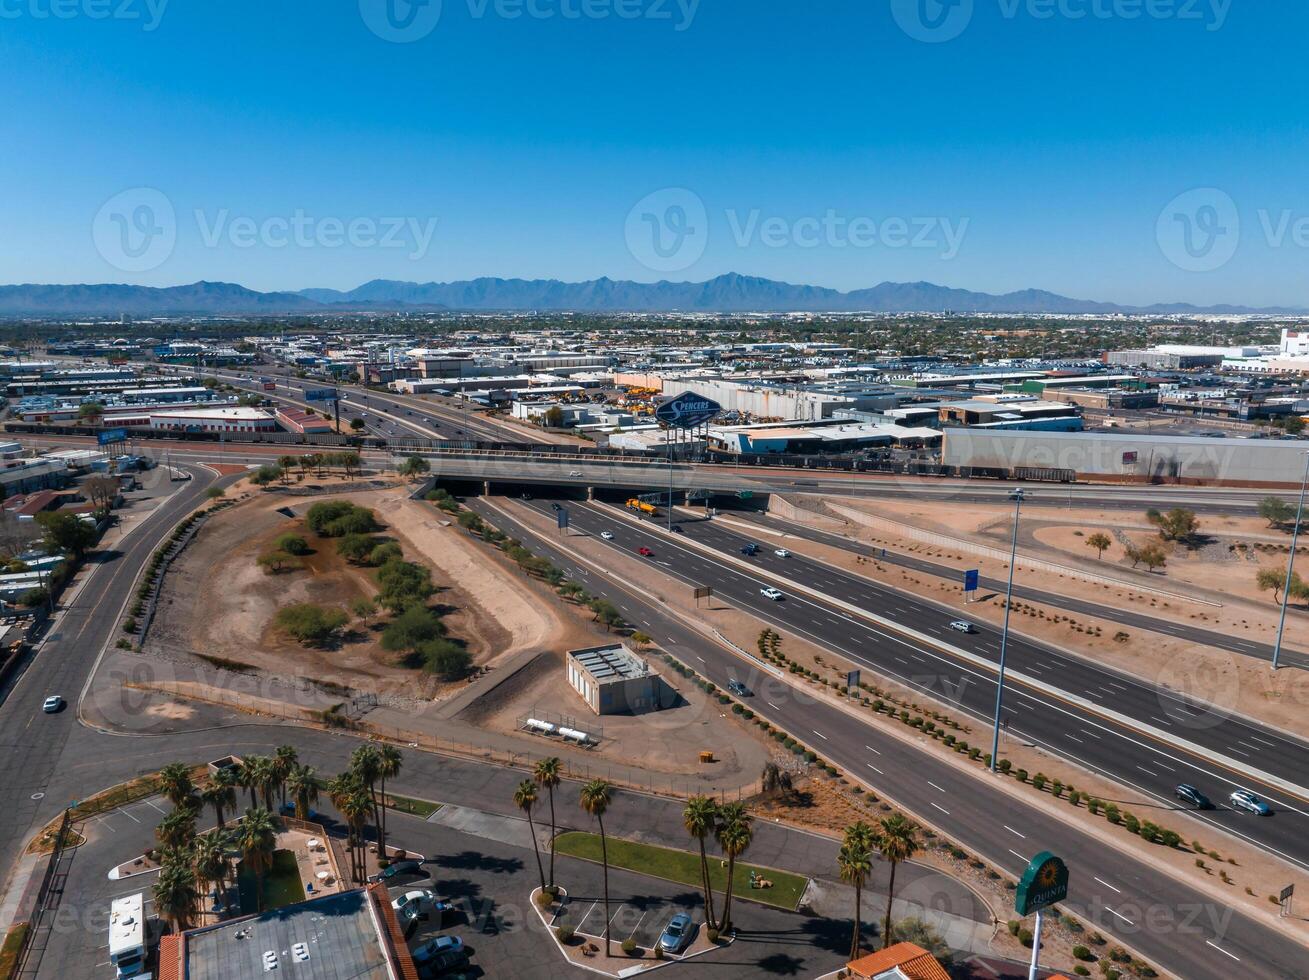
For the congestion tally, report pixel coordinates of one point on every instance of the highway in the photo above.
(1118, 614)
(1170, 922)
(1050, 718)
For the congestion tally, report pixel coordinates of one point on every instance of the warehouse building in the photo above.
(614, 680)
(214, 420)
(1131, 458)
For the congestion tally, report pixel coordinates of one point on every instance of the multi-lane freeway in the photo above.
(1167, 920)
(1104, 720)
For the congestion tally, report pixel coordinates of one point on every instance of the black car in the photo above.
(737, 688)
(392, 871)
(444, 963)
(750, 549)
(1190, 795)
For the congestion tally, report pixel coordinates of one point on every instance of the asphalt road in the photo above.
(1167, 921)
(31, 743)
(1153, 765)
(1128, 617)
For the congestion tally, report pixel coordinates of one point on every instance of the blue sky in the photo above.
(822, 142)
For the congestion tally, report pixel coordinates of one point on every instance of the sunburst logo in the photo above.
(1048, 876)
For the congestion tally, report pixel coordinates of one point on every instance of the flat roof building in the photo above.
(614, 680)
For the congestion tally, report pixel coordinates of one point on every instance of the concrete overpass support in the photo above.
(486, 488)
(590, 493)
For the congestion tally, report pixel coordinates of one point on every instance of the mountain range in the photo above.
(730, 293)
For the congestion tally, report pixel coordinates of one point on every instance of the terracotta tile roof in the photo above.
(170, 957)
(913, 961)
(395, 936)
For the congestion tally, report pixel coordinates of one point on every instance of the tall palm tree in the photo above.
(595, 800)
(699, 818)
(221, 795)
(897, 841)
(284, 760)
(366, 763)
(176, 829)
(734, 835)
(355, 806)
(209, 861)
(547, 775)
(302, 784)
(176, 783)
(389, 761)
(175, 895)
(257, 840)
(250, 774)
(855, 861)
(339, 790)
(525, 798)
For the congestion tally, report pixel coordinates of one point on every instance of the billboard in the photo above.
(321, 395)
(1044, 883)
(561, 516)
(110, 436)
(970, 580)
(687, 411)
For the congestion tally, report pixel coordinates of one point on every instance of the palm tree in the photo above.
(251, 776)
(175, 782)
(284, 760)
(175, 895)
(177, 829)
(257, 840)
(389, 761)
(856, 863)
(219, 795)
(366, 763)
(897, 841)
(698, 818)
(525, 798)
(209, 861)
(547, 775)
(302, 784)
(595, 800)
(734, 835)
(355, 807)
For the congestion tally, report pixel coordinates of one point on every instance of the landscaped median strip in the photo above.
(683, 868)
(1167, 738)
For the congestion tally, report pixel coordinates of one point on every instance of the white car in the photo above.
(52, 704)
(962, 626)
(771, 593)
(419, 902)
(782, 553)
(575, 473)
(607, 535)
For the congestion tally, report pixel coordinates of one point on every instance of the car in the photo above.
(554, 505)
(771, 593)
(419, 902)
(1189, 794)
(437, 946)
(677, 933)
(52, 704)
(406, 867)
(607, 535)
(963, 626)
(574, 474)
(644, 552)
(750, 549)
(737, 688)
(1243, 799)
(782, 553)
(444, 965)
(677, 529)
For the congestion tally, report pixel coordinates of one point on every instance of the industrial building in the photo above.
(614, 680)
(302, 422)
(1132, 458)
(214, 420)
(784, 438)
(1168, 358)
(1011, 412)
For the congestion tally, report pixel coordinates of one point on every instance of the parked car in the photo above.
(1243, 799)
(445, 964)
(1190, 795)
(397, 868)
(750, 549)
(737, 688)
(644, 552)
(771, 593)
(963, 626)
(607, 535)
(52, 704)
(782, 553)
(677, 933)
(419, 902)
(436, 946)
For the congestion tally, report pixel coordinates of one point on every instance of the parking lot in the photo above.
(640, 920)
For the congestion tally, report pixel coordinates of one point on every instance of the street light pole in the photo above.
(1290, 566)
(1017, 497)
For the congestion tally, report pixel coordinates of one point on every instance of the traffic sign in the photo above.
(1044, 883)
(970, 580)
(688, 411)
(561, 515)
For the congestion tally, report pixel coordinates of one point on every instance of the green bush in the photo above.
(412, 628)
(629, 946)
(1081, 952)
(310, 624)
(445, 658)
(292, 544)
(564, 934)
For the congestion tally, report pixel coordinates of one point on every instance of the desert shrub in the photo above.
(292, 544)
(312, 625)
(403, 584)
(564, 934)
(412, 628)
(445, 658)
(629, 946)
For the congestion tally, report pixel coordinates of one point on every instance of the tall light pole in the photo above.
(1017, 497)
(1290, 566)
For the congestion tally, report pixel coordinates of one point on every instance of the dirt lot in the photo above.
(1226, 679)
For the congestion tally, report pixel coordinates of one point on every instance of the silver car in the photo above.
(677, 933)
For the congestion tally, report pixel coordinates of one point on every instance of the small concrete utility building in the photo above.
(613, 680)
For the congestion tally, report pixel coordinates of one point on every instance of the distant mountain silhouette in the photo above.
(731, 293)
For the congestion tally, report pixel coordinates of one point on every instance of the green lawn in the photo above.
(683, 867)
(282, 885)
(412, 806)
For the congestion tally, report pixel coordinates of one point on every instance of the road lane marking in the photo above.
(1014, 832)
(1119, 915)
(1223, 951)
(871, 749)
(935, 787)
(941, 808)
(1019, 856)
(819, 734)
(1107, 885)
(874, 768)
(773, 706)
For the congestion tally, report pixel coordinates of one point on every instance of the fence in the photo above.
(45, 904)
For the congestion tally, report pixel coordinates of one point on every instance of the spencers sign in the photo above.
(687, 411)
